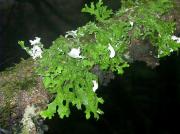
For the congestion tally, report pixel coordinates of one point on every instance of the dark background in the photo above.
(26, 19)
(143, 100)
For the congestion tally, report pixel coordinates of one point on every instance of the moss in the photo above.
(19, 77)
(12, 80)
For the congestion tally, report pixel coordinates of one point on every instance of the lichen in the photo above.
(19, 87)
(28, 125)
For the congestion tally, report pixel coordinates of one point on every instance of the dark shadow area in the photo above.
(143, 100)
(26, 19)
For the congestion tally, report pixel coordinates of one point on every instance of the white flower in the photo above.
(36, 41)
(36, 52)
(175, 38)
(112, 52)
(75, 53)
(131, 23)
(95, 85)
(171, 50)
(71, 33)
(178, 40)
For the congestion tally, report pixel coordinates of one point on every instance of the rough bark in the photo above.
(19, 89)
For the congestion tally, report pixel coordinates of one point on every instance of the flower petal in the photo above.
(36, 41)
(95, 85)
(71, 33)
(36, 52)
(131, 23)
(75, 53)
(175, 38)
(112, 52)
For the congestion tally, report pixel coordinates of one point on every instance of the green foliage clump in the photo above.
(70, 79)
(148, 24)
(101, 12)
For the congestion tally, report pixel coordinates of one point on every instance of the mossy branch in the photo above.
(71, 68)
(108, 45)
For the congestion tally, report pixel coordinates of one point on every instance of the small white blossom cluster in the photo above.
(71, 33)
(175, 38)
(36, 51)
(36, 41)
(75, 53)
